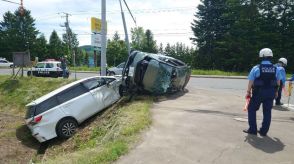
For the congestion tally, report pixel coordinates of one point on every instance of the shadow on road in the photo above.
(280, 108)
(266, 144)
(171, 96)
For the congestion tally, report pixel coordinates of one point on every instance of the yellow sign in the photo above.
(95, 25)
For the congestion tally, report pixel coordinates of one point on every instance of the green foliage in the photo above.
(143, 41)
(56, 47)
(149, 44)
(15, 94)
(116, 51)
(17, 33)
(230, 33)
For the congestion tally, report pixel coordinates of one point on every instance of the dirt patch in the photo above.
(16, 144)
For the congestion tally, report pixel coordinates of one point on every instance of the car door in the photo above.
(78, 102)
(39, 68)
(110, 91)
(94, 87)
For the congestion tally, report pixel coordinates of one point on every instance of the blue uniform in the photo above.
(282, 71)
(264, 77)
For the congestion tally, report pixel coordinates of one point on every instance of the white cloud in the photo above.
(169, 20)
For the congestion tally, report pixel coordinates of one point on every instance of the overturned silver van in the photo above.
(154, 73)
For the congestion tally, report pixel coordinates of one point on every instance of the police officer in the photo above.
(264, 80)
(280, 67)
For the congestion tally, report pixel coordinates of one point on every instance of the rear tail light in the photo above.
(36, 120)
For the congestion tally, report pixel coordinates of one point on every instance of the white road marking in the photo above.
(288, 106)
(241, 119)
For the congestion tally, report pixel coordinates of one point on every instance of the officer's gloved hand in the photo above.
(248, 95)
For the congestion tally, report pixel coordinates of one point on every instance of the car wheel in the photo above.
(11, 66)
(111, 73)
(66, 128)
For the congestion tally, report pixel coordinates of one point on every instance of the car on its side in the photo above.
(154, 73)
(116, 70)
(47, 69)
(59, 112)
(5, 63)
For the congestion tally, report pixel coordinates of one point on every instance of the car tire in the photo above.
(111, 74)
(66, 128)
(29, 73)
(11, 66)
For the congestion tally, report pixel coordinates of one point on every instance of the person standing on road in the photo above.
(281, 68)
(63, 67)
(264, 80)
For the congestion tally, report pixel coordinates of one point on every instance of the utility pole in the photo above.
(103, 38)
(125, 29)
(66, 25)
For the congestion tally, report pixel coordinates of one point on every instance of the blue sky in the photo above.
(169, 20)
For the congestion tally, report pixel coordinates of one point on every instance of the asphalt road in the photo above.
(204, 126)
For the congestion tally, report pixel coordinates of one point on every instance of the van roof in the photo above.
(55, 92)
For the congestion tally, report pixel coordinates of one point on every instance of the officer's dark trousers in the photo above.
(278, 99)
(264, 97)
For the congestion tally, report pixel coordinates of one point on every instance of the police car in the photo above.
(47, 69)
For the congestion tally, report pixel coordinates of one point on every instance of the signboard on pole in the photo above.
(96, 40)
(21, 59)
(96, 25)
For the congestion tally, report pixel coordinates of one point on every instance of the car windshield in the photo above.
(121, 65)
(40, 65)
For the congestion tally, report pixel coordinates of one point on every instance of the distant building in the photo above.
(91, 58)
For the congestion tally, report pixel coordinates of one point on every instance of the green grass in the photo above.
(217, 72)
(84, 68)
(111, 137)
(103, 139)
(15, 94)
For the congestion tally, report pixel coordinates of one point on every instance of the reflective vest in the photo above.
(267, 78)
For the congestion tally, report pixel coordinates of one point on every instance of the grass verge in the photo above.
(217, 72)
(15, 94)
(101, 139)
(84, 68)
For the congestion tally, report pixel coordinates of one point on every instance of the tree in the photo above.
(149, 44)
(56, 47)
(18, 33)
(209, 27)
(71, 44)
(40, 48)
(116, 36)
(116, 51)
(138, 37)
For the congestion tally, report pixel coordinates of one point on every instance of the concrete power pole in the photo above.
(66, 24)
(125, 29)
(103, 38)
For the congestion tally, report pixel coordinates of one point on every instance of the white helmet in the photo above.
(283, 60)
(265, 52)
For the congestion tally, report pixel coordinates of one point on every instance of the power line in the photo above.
(11, 2)
(130, 12)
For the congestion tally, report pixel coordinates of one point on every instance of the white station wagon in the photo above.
(59, 112)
